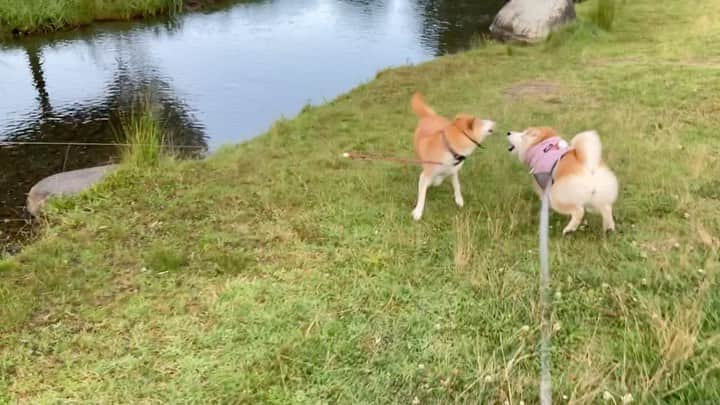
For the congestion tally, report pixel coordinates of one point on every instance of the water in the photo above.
(219, 77)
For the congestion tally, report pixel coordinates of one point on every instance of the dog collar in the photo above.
(458, 157)
(478, 144)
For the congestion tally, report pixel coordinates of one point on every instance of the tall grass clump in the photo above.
(603, 15)
(480, 41)
(578, 33)
(144, 136)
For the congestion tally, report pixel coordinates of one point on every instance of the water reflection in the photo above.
(35, 61)
(93, 119)
(217, 77)
(450, 26)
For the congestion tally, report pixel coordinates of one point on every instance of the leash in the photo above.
(545, 327)
(365, 156)
(458, 157)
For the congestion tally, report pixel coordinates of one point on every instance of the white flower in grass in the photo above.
(627, 398)
(608, 396)
(416, 401)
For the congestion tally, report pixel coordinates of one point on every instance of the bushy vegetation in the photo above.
(33, 16)
(143, 136)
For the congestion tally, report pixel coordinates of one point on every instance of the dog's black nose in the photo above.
(509, 133)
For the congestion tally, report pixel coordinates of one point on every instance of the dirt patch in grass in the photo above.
(547, 91)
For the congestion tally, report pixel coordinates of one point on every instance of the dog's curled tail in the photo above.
(589, 149)
(418, 105)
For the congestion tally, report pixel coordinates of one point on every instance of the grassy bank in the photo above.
(276, 272)
(38, 16)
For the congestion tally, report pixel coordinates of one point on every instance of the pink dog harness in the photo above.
(543, 157)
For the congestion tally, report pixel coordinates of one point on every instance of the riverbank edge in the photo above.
(52, 24)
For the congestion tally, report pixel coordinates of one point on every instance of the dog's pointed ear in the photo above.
(533, 132)
(464, 123)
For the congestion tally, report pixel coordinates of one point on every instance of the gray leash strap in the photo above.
(545, 326)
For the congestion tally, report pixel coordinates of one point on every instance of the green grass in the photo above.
(38, 16)
(277, 272)
(603, 15)
(145, 136)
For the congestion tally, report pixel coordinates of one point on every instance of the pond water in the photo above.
(222, 76)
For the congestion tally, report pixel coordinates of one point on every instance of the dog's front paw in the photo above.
(459, 201)
(417, 214)
(568, 230)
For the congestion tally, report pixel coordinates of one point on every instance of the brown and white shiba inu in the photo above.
(577, 177)
(442, 146)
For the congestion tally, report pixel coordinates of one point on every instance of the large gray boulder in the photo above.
(531, 20)
(65, 183)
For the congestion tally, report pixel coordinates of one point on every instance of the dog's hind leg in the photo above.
(423, 184)
(576, 215)
(456, 189)
(607, 217)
